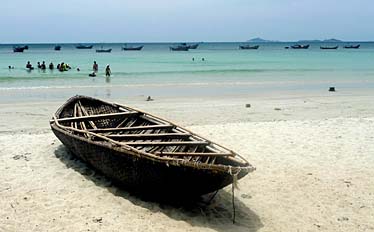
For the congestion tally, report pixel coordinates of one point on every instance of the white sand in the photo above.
(314, 160)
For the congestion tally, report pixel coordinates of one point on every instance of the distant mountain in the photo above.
(320, 41)
(332, 41)
(260, 40)
(310, 41)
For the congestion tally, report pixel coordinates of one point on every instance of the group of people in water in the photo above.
(62, 67)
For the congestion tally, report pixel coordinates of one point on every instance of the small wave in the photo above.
(159, 85)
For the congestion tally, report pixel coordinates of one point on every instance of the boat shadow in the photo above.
(216, 214)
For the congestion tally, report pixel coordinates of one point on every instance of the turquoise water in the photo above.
(225, 66)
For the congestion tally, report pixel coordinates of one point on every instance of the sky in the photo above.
(71, 21)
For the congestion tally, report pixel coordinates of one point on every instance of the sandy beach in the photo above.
(314, 155)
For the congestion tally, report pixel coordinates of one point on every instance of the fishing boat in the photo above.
(104, 50)
(143, 153)
(19, 49)
(246, 47)
(57, 48)
(127, 48)
(352, 46)
(299, 46)
(193, 46)
(180, 48)
(81, 46)
(328, 48)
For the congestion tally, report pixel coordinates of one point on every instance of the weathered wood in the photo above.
(193, 154)
(167, 143)
(72, 124)
(85, 113)
(82, 124)
(149, 127)
(150, 136)
(152, 120)
(164, 121)
(95, 117)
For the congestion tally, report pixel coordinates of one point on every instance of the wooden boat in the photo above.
(144, 153)
(126, 48)
(352, 46)
(328, 48)
(57, 48)
(298, 46)
(104, 50)
(84, 46)
(193, 46)
(180, 48)
(246, 47)
(19, 49)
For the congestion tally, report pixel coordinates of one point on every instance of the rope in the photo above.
(233, 202)
(212, 197)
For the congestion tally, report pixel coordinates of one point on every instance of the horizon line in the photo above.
(170, 42)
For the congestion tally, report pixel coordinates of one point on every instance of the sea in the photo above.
(211, 69)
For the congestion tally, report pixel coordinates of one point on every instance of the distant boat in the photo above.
(126, 48)
(286, 47)
(193, 46)
(57, 48)
(329, 48)
(246, 47)
(352, 46)
(180, 48)
(80, 46)
(19, 49)
(298, 46)
(104, 50)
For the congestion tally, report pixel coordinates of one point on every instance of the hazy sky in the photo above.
(188, 20)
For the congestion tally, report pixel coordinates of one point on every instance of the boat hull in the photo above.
(180, 48)
(249, 47)
(145, 176)
(84, 47)
(132, 48)
(300, 46)
(352, 47)
(104, 50)
(329, 48)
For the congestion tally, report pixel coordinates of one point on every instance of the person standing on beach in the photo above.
(95, 67)
(108, 71)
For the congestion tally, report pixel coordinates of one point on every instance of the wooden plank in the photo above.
(167, 143)
(193, 154)
(152, 120)
(85, 113)
(149, 127)
(82, 124)
(96, 117)
(150, 136)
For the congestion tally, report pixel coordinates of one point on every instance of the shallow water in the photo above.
(159, 71)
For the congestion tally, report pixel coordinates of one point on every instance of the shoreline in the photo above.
(186, 90)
